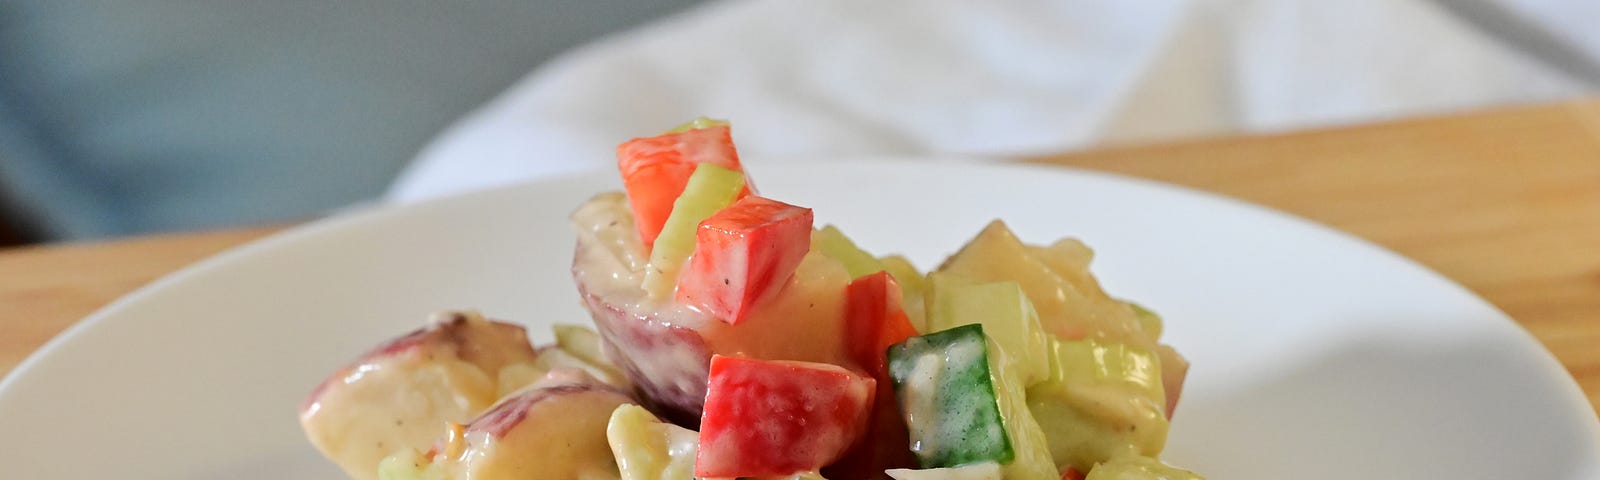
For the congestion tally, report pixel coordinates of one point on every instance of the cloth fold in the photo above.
(826, 78)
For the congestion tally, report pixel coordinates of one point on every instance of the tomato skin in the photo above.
(743, 254)
(655, 169)
(770, 418)
(876, 320)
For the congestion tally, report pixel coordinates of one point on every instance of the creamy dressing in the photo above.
(402, 394)
(664, 346)
(976, 471)
(555, 428)
(920, 394)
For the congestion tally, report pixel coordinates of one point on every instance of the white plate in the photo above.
(1316, 355)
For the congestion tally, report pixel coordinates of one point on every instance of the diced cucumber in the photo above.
(949, 399)
(409, 465)
(1006, 315)
(832, 242)
(1102, 400)
(1139, 468)
(913, 289)
(647, 448)
(710, 188)
(697, 124)
(962, 408)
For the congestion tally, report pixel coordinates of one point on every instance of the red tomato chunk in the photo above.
(778, 417)
(876, 320)
(743, 254)
(655, 170)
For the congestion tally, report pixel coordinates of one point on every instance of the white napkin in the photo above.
(815, 78)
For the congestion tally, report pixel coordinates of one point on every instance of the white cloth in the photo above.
(813, 78)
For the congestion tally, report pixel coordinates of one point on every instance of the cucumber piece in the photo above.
(710, 188)
(913, 289)
(943, 383)
(697, 124)
(1102, 400)
(962, 408)
(1139, 468)
(1006, 315)
(832, 242)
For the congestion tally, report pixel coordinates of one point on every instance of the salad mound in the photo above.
(735, 339)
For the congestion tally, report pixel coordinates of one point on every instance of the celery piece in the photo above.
(697, 124)
(913, 289)
(833, 243)
(1066, 309)
(1149, 321)
(1102, 400)
(647, 448)
(1006, 314)
(710, 188)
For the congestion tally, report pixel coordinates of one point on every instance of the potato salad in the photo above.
(732, 337)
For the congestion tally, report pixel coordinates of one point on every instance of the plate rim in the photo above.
(377, 213)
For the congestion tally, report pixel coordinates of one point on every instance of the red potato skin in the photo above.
(634, 341)
(766, 418)
(656, 169)
(876, 321)
(445, 333)
(743, 254)
(511, 411)
(551, 429)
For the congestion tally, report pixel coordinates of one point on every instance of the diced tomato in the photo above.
(655, 170)
(769, 418)
(743, 254)
(876, 320)
(1071, 474)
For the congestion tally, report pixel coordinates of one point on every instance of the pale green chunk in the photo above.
(1139, 468)
(1033, 460)
(913, 289)
(1149, 321)
(1013, 329)
(1006, 315)
(833, 243)
(1103, 400)
(697, 124)
(581, 342)
(711, 188)
(647, 448)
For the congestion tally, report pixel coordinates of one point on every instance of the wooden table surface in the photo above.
(1506, 202)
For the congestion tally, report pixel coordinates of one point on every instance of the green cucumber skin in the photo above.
(966, 426)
